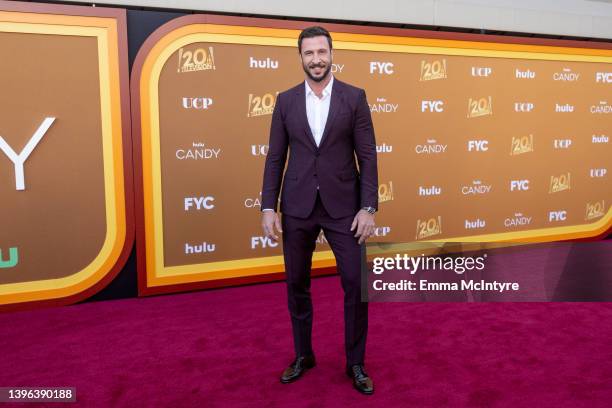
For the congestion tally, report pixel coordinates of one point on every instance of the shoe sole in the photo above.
(363, 392)
(298, 377)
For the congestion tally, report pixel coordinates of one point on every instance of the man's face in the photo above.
(316, 58)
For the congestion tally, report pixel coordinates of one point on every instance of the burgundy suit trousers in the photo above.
(299, 241)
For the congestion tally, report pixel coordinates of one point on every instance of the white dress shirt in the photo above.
(317, 110)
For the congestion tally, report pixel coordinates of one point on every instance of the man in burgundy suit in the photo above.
(323, 123)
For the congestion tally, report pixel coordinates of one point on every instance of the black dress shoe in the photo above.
(297, 368)
(361, 381)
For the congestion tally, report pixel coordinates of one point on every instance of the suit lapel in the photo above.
(301, 106)
(334, 107)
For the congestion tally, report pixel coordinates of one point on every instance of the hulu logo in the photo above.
(12, 260)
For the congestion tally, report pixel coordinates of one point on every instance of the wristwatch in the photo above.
(370, 210)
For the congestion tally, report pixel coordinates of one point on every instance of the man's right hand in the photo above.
(269, 221)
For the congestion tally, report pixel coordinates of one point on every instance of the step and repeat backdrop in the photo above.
(65, 152)
(477, 142)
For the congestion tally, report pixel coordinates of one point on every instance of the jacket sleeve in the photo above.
(275, 159)
(365, 149)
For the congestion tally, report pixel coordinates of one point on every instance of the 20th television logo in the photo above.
(200, 59)
(429, 227)
(433, 70)
(595, 210)
(261, 105)
(480, 107)
(385, 192)
(520, 145)
(560, 183)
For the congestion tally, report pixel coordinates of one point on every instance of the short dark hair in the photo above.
(314, 31)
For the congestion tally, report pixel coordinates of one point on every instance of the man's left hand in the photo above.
(364, 223)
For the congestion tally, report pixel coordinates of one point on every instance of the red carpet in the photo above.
(226, 348)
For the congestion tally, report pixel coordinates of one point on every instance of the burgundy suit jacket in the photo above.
(348, 133)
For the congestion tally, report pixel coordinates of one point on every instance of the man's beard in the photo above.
(322, 77)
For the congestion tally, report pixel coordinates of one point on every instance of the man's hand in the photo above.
(269, 221)
(364, 222)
